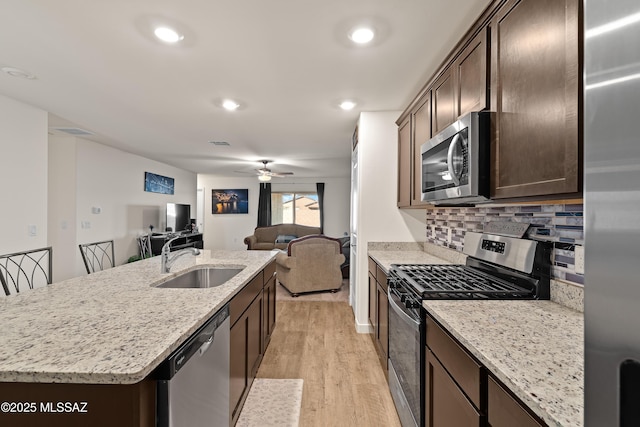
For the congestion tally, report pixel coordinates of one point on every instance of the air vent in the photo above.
(221, 143)
(74, 131)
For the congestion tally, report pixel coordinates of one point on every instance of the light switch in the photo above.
(32, 230)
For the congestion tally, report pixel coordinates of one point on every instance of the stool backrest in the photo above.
(98, 256)
(26, 270)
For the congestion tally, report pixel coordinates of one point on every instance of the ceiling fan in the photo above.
(265, 174)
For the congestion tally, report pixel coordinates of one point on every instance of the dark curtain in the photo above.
(264, 205)
(320, 189)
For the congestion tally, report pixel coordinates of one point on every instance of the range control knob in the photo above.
(412, 304)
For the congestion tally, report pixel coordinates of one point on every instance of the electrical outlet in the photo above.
(579, 256)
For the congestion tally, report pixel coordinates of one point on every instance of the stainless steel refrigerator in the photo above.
(612, 212)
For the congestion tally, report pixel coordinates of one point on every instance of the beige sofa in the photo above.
(311, 264)
(264, 238)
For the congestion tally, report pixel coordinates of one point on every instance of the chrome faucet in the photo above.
(167, 260)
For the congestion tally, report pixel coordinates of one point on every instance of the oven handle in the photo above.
(415, 324)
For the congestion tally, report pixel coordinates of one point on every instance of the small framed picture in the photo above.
(154, 183)
(230, 201)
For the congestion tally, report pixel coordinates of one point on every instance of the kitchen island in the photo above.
(110, 328)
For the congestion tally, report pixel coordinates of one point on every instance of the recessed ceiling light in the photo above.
(230, 105)
(168, 35)
(347, 105)
(16, 72)
(362, 35)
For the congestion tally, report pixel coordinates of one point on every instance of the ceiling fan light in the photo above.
(264, 178)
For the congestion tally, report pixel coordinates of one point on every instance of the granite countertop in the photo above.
(535, 348)
(112, 327)
(386, 258)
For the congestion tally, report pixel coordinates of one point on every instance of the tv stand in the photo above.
(190, 240)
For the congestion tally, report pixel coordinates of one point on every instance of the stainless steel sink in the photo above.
(205, 277)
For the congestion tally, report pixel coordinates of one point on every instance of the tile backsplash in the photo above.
(561, 224)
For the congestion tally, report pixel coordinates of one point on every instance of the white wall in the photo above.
(113, 181)
(227, 231)
(62, 205)
(23, 174)
(379, 220)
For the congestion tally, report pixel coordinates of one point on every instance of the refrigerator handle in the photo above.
(629, 393)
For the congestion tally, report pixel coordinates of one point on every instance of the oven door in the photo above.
(405, 355)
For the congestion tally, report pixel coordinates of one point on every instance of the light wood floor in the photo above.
(344, 384)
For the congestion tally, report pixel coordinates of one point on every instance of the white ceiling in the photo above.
(288, 62)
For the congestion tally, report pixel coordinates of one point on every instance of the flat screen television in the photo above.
(178, 217)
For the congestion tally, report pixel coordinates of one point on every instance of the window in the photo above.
(295, 208)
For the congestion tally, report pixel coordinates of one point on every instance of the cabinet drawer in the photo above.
(243, 299)
(269, 271)
(505, 411)
(447, 405)
(466, 372)
(381, 278)
(372, 267)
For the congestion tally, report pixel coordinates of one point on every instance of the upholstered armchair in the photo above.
(311, 264)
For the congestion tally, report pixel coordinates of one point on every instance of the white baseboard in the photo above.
(364, 328)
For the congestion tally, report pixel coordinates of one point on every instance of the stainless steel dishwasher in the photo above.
(193, 382)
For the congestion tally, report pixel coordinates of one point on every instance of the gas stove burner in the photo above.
(498, 267)
(458, 282)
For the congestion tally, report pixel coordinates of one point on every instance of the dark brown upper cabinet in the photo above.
(535, 91)
(444, 101)
(421, 118)
(404, 163)
(471, 75)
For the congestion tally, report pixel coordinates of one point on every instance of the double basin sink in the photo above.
(203, 277)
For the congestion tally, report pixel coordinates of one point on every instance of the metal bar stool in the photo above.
(98, 256)
(26, 270)
(144, 245)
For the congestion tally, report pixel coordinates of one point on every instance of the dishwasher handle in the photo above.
(204, 347)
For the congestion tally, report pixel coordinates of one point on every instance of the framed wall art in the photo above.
(230, 201)
(158, 184)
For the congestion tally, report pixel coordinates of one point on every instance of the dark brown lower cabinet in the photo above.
(382, 338)
(253, 317)
(460, 392)
(269, 308)
(447, 405)
(506, 411)
(79, 405)
(379, 311)
(238, 383)
(246, 352)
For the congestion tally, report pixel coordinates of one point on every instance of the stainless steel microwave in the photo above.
(455, 162)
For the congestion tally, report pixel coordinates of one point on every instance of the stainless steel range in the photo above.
(501, 265)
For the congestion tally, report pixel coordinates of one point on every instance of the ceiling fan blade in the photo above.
(281, 174)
